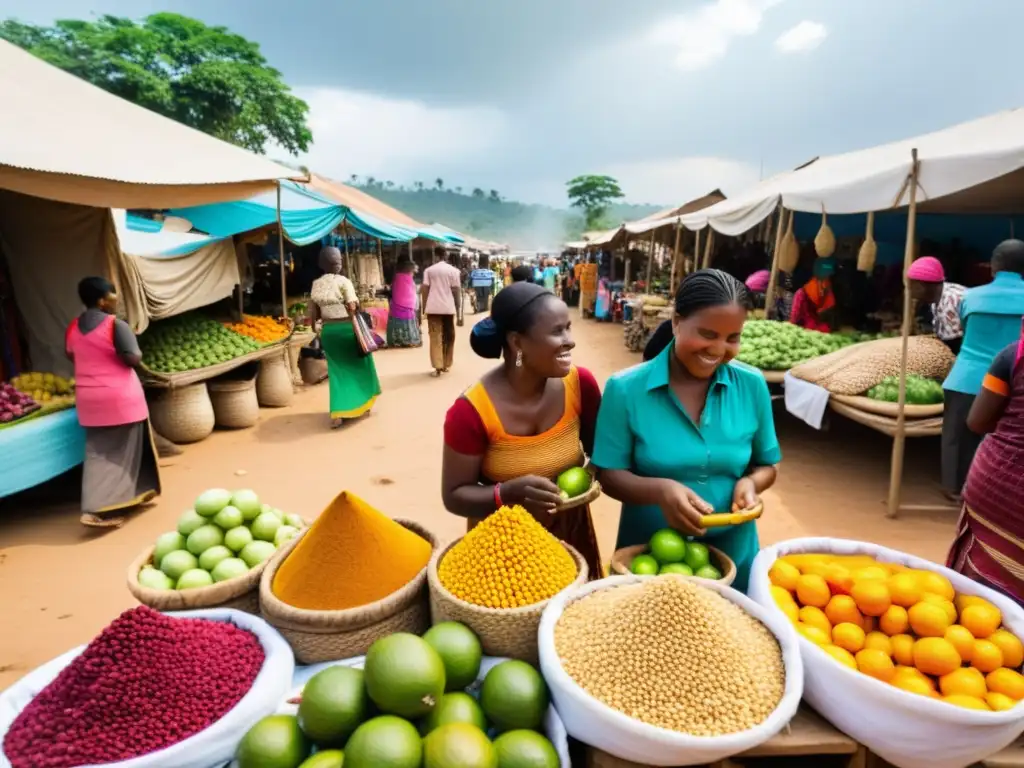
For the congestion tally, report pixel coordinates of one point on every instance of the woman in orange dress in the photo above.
(525, 422)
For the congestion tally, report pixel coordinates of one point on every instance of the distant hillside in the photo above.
(486, 215)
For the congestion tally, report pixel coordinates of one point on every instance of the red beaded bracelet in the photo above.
(497, 496)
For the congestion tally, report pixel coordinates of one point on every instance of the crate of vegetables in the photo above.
(916, 662)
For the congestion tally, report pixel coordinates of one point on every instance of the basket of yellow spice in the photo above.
(352, 577)
(498, 578)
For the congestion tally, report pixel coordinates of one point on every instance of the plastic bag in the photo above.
(216, 745)
(553, 727)
(611, 731)
(906, 729)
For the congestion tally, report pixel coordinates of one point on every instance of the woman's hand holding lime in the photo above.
(683, 509)
(538, 495)
(744, 495)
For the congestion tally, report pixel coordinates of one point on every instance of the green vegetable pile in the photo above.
(775, 346)
(920, 391)
(189, 342)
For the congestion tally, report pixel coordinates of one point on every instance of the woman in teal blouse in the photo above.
(688, 433)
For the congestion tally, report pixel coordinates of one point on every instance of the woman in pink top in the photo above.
(120, 470)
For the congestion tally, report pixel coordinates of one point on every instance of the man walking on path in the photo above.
(442, 295)
(481, 280)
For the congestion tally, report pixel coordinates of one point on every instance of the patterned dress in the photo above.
(473, 428)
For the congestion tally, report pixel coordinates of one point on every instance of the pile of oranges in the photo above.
(905, 627)
(264, 329)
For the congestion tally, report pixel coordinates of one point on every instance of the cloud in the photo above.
(677, 180)
(703, 36)
(399, 140)
(805, 36)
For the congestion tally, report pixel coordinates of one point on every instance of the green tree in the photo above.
(593, 194)
(439, 183)
(494, 196)
(205, 77)
(479, 193)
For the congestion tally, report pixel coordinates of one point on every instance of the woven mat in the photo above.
(155, 379)
(886, 424)
(885, 408)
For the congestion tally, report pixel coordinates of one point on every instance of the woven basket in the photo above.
(183, 415)
(591, 495)
(234, 403)
(241, 593)
(317, 636)
(313, 370)
(623, 557)
(892, 410)
(274, 382)
(507, 632)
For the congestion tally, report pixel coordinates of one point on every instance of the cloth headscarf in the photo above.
(488, 336)
(819, 288)
(758, 282)
(330, 260)
(927, 269)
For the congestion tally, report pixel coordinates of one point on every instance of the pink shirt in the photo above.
(107, 392)
(441, 279)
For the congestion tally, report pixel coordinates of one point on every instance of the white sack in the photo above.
(212, 747)
(906, 729)
(611, 731)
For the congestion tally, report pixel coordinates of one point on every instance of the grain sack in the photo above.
(855, 369)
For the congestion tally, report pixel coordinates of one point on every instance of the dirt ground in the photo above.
(61, 583)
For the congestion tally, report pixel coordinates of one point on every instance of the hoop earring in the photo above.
(519, 359)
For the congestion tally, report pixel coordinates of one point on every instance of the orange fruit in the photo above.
(962, 640)
(1010, 645)
(814, 634)
(999, 702)
(876, 572)
(966, 681)
(876, 664)
(986, 656)
(841, 655)
(871, 596)
(791, 611)
(903, 649)
(842, 609)
(849, 637)
(967, 702)
(905, 589)
(879, 641)
(838, 579)
(1008, 682)
(815, 617)
(981, 619)
(935, 656)
(943, 603)
(894, 621)
(913, 684)
(904, 671)
(780, 596)
(812, 590)
(962, 601)
(936, 583)
(783, 574)
(928, 619)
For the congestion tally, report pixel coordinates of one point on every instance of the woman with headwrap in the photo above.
(815, 302)
(352, 375)
(403, 310)
(525, 422)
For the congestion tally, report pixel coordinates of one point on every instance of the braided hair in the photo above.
(700, 290)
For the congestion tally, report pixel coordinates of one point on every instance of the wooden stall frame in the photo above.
(650, 264)
(707, 247)
(675, 259)
(769, 297)
(280, 255)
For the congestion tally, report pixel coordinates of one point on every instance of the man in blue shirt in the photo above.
(481, 280)
(991, 317)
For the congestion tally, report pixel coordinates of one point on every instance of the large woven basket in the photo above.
(241, 593)
(317, 636)
(184, 414)
(274, 382)
(234, 403)
(313, 370)
(508, 632)
(622, 559)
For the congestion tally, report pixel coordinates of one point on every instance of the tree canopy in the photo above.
(593, 194)
(205, 77)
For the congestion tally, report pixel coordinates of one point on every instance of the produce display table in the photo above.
(927, 427)
(184, 378)
(808, 735)
(39, 450)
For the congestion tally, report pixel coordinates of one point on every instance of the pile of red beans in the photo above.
(148, 681)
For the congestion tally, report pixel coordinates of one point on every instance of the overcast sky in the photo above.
(672, 98)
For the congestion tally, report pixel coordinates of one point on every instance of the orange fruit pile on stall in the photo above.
(263, 329)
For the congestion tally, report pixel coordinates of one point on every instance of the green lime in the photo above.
(404, 675)
(514, 695)
(680, 568)
(668, 546)
(331, 758)
(644, 565)
(384, 742)
(574, 482)
(708, 572)
(697, 555)
(460, 650)
(333, 704)
(458, 745)
(454, 708)
(274, 742)
(525, 749)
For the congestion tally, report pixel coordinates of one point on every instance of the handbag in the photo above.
(369, 342)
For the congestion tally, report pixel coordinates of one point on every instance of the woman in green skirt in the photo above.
(352, 375)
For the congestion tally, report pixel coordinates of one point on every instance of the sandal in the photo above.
(336, 423)
(95, 521)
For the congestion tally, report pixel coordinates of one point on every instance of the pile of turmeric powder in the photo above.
(351, 556)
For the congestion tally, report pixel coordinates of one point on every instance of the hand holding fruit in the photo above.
(538, 495)
(683, 509)
(744, 495)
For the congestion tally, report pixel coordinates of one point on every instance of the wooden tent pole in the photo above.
(900, 438)
(380, 259)
(708, 246)
(769, 296)
(348, 259)
(280, 256)
(650, 263)
(675, 259)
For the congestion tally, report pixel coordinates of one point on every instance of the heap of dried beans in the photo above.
(146, 682)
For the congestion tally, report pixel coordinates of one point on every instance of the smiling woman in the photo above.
(687, 433)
